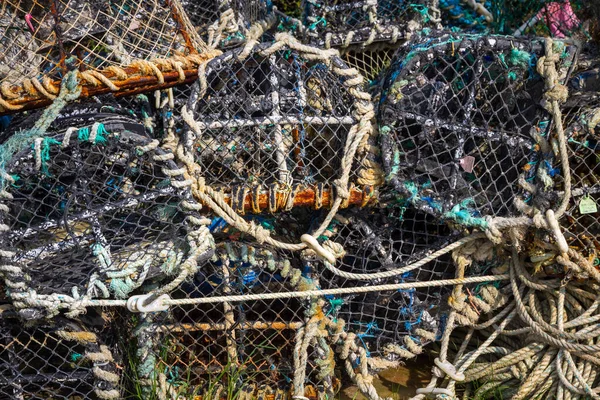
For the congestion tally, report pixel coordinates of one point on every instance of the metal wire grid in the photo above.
(457, 115)
(232, 347)
(271, 123)
(90, 198)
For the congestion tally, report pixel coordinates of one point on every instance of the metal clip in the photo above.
(138, 303)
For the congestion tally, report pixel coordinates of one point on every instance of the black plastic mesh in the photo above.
(379, 240)
(559, 19)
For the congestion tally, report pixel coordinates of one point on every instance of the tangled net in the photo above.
(54, 359)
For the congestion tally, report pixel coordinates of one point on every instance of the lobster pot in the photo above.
(248, 343)
(54, 361)
(381, 240)
(90, 209)
(458, 119)
(110, 45)
(271, 129)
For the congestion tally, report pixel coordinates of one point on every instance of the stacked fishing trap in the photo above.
(218, 200)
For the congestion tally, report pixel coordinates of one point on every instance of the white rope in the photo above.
(407, 268)
(304, 294)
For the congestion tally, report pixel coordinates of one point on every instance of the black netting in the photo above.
(54, 360)
(381, 240)
(458, 118)
(278, 123)
(111, 45)
(285, 220)
(88, 197)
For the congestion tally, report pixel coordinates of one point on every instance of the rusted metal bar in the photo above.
(307, 197)
(133, 85)
(206, 326)
(137, 82)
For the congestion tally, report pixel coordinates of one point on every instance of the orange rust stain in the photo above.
(136, 83)
(307, 198)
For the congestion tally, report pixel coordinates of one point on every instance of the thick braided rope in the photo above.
(111, 77)
(564, 370)
(66, 300)
(555, 94)
(395, 272)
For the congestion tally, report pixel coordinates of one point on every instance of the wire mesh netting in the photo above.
(90, 196)
(110, 45)
(459, 119)
(282, 220)
(581, 120)
(231, 20)
(381, 240)
(254, 340)
(274, 129)
(54, 360)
